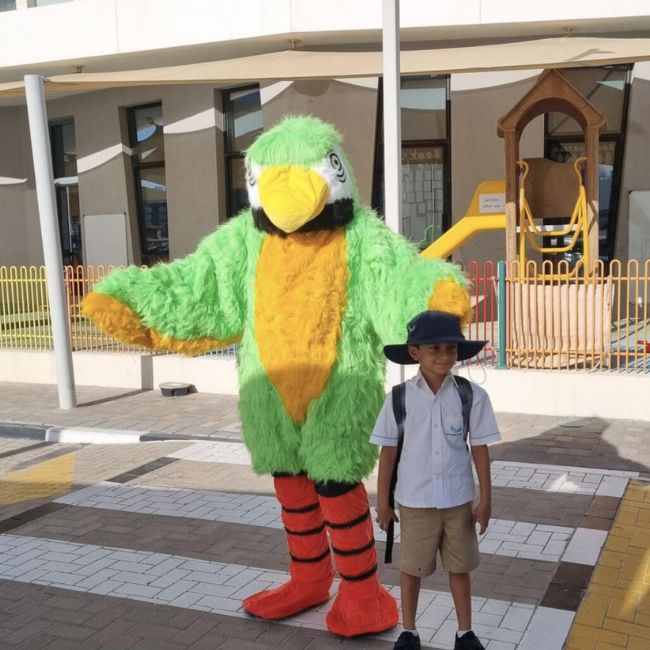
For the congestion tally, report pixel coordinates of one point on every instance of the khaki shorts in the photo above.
(425, 531)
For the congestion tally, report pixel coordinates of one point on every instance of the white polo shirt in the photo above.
(435, 469)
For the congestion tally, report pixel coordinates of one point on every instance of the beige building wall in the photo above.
(194, 168)
(636, 169)
(20, 236)
(352, 108)
(478, 154)
(103, 165)
(13, 232)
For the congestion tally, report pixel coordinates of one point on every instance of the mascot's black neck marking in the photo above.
(334, 215)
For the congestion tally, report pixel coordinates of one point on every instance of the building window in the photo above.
(7, 5)
(243, 111)
(44, 3)
(607, 88)
(64, 167)
(426, 182)
(146, 140)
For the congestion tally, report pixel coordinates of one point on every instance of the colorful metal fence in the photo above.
(24, 310)
(540, 316)
(485, 324)
(558, 318)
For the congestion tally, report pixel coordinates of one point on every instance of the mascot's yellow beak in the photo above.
(291, 195)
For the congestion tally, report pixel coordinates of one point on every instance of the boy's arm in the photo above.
(385, 435)
(483, 510)
(385, 513)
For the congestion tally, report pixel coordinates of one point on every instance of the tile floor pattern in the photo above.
(504, 537)
(549, 478)
(201, 585)
(219, 588)
(615, 612)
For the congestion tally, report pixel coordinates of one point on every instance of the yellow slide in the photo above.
(486, 212)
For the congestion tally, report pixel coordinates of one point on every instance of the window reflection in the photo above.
(422, 191)
(154, 213)
(147, 141)
(604, 88)
(149, 146)
(423, 101)
(569, 152)
(607, 89)
(244, 118)
(425, 168)
(238, 189)
(44, 3)
(66, 183)
(244, 123)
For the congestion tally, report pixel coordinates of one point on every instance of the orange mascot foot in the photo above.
(362, 605)
(311, 565)
(289, 599)
(362, 609)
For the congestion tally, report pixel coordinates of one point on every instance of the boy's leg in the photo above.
(410, 592)
(460, 555)
(460, 586)
(421, 529)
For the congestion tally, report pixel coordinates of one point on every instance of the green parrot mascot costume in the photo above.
(312, 284)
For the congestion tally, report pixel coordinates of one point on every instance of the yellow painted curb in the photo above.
(46, 479)
(615, 612)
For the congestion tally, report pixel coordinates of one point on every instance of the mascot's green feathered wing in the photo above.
(313, 285)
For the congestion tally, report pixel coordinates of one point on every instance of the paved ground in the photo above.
(153, 545)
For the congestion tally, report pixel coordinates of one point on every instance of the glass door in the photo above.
(67, 199)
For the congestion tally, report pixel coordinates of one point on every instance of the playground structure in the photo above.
(562, 317)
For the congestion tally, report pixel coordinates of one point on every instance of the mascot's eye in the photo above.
(337, 166)
(250, 177)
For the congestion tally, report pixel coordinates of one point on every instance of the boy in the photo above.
(435, 485)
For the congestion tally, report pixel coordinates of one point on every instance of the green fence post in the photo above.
(501, 363)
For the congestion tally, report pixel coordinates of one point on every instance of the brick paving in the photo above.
(35, 617)
(615, 612)
(197, 414)
(504, 577)
(553, 476)
(218, 587)
(586, 442)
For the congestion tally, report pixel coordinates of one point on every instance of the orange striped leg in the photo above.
(362, 605)
(311, 564)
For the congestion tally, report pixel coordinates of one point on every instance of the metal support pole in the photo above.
(392, 122)
(40, 137)
(501, 363)
(392, 135)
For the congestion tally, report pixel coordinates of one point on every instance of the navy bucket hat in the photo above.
(431, 327)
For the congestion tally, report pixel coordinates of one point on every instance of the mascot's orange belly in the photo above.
(300, 296)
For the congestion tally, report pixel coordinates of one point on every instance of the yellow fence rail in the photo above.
(25, 316)
(555, 316)
(558, 317)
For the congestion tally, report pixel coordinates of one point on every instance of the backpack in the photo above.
(465, 392)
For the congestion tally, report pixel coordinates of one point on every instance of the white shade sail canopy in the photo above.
(565, 52)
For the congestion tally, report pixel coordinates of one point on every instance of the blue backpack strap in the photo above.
(399, 411)
(466, 394)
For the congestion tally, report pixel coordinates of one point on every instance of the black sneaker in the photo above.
(407, 641)
(468, 641)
